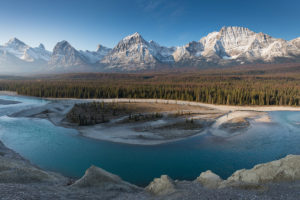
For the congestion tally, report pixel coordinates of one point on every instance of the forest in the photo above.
(235, 86)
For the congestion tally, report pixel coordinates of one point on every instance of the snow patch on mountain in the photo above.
(65, 55)
(135, 53)
(230, 45)
(24, 52)
(95, 56)
(238, 43)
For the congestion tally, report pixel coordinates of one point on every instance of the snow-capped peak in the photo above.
(15, 43)
(99, 47)
(61, 45)
(296, 42)
(134, 38)
(102, 49)
(41, 46)
(237, 44)
(95, 56)
(24, 52)
(237, 30)
(135, 35)
(230, 45)
(65, 55)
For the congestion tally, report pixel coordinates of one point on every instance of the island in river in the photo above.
(146, 121)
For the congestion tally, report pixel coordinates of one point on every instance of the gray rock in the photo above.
(19, 179)
(15, 169)
(97, 177)
(285, 169)
(161, 186)
(209, 179)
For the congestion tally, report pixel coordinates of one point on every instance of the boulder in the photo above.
(97, 177)
(285, 169)
(161, 186)
(209, 179)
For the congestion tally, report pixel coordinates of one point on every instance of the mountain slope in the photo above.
(24, 52)
(95, 56)
(64, 55)
(227, 47)
(237, 45)
(18, 57)
(296, 42)
(135, 53)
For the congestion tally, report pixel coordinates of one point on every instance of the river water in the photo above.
(63, 150)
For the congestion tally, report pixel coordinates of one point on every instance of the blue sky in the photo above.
(86, 23)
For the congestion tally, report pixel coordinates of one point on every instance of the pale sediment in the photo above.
(158, 131)
(191, 103)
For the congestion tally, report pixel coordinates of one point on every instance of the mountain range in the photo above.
(227, 47)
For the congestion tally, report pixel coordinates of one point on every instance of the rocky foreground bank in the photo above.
(19, 179)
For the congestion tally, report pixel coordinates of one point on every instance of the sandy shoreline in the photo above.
(5, 92)
(179, 102)
(190, 103)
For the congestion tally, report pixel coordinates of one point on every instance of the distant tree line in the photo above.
(214, 89)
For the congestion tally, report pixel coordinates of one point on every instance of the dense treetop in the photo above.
(229, 87)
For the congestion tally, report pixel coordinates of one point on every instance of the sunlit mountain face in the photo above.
(227, 47)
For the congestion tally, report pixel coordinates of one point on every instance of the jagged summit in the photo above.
(99, 47)
(131, 52)
(135, 53)
(231, 45)
(18, 50)
(41, 46)
(15, 42)
(102, 49)
(133, 39)
(65, 55)
(235, 29)
(135, 35)
(93, 57)
(62, 44)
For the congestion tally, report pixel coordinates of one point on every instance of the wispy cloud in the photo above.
(160, 8)
(151, 5)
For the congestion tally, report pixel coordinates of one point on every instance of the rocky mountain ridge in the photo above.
(229, 46)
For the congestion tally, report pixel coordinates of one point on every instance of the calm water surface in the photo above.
(63, 150)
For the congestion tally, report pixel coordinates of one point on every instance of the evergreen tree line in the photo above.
(214, 90)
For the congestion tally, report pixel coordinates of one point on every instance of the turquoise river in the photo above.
(65, 151)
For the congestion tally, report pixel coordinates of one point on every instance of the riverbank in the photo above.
(179, 102)
(192, 103)
(8, 102)
(221, 121)
(19, 179)
(178, 120)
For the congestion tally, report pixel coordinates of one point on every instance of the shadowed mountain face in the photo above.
(227, 47)
(64, 55)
